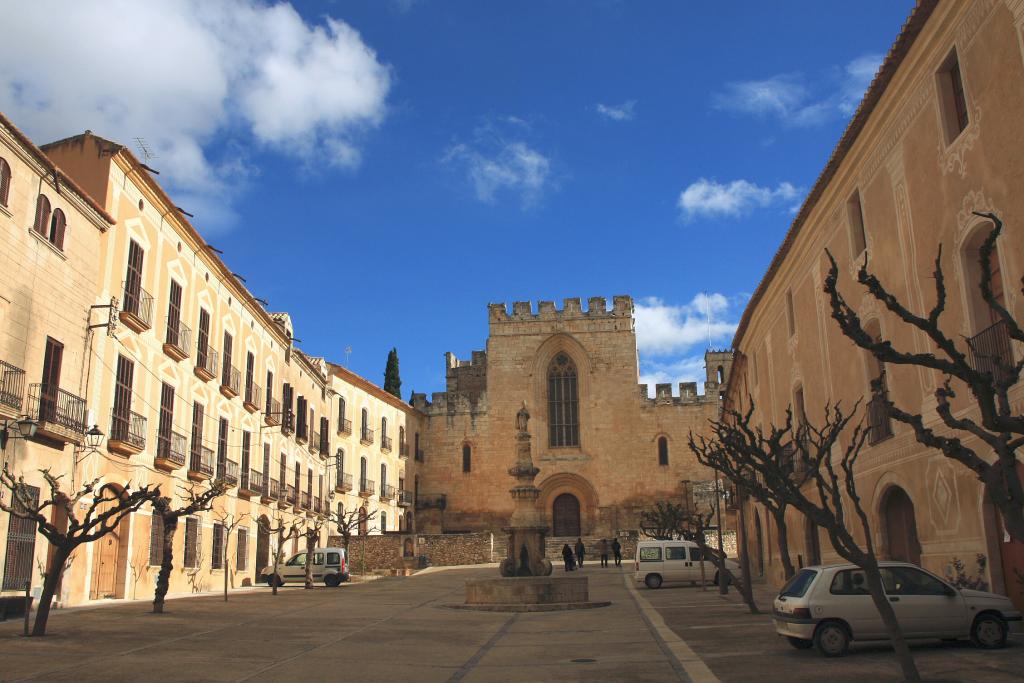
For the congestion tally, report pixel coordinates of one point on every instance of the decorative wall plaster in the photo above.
(945, 497)
(975, 17)
(923, 92)
(951, 157)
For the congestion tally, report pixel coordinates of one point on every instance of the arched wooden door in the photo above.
(565, 515)
(900, 527)
(110, 559)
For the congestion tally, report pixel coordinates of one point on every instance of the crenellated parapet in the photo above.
(571, 317)
(443, 403)
(687, 394)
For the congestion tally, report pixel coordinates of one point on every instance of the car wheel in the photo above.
(332, 580)
(831, 639)
(653, 581)
(989, 632)
(800, 643)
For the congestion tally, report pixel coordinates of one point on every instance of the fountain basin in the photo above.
(529, 594)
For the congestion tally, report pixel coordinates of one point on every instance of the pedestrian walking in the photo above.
(602, 550)
(567, 557)
(580, 551)
(617, 551)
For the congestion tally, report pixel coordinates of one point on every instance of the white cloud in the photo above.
(185, 74)
(711, 198)
(617, 112)
(494, 165)
(687, 369)
(796, 102)
(663, 329)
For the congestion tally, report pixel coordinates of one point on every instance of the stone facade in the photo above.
(912, 176)
(613, 471)
(398, 551)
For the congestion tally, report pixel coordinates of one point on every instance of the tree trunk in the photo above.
(277, 562)
(53, 574)
(163, 577)
(892, 625)
(746, 587)
(227, 569)
(780, 526)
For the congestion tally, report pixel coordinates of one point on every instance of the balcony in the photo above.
(991, 351)
(230, 380)
(405, 499)
(306, 501)
(288, 499)
(296, 500)
(178, 340)
(271, 493)
(170, 451)
(253, 397)
(403, 450)
(60, 414)
(272, 414)
(250, 483)
(200, 466)
(367, 487)
(127, 433)
(136, 307)
(12, 389)
(385, 443)
(314, 441)
(206, 362)
(302, 433)
(325, 443)
(879, 422)
(318, 509)
(387, 492)
(344, 483)
(366, 436)
(345, 426)
(228, 472)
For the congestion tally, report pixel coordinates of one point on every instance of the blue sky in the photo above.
(382, 169)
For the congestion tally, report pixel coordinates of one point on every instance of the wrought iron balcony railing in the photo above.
(344, 483)
(128, 428)
(305, 500)
(403, 449)
(230, 380)
(274, 490)
(366, 436)
(344, 426)
(316, 505)
(12, 386)
(172, 447)
(255, 482)
(879, 422)
(385, 442)
(991, 350)
(367, 486)
(272, 414)
(253, 398)
(289, 494)
(325, 442)
(202, 461)
(52, 406)
(405, 498)
(136, 307)
(314, 441)
(206, 362)
(387, 492)
(178, 339)
(230, 472)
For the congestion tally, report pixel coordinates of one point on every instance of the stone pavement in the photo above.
(398, 628)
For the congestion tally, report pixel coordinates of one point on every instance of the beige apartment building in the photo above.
(184, 372)
(937, 137)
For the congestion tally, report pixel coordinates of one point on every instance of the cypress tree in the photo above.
(392, 382)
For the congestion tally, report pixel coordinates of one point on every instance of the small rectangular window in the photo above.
(952, 98)
(790, 316)
(650, 554)
(695, 554)
(675, 552)
(858, 237)
(217, 551)
(242, 551)
(191, 559)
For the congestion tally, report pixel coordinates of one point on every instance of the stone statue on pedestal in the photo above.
(526, 531)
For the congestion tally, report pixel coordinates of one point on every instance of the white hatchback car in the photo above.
(329, 565)
(828, 606)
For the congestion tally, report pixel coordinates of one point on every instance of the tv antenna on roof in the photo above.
(348, 352)
(144, 149)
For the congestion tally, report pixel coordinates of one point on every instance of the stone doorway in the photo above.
(110, 563)
(900, 525)
(565, 515)
(262, 546)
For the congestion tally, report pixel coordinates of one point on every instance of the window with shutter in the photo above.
(52, 359)
(217, 549)
(203, 339)
(197, 435)
(222, 448)
(174, 316)
(166, 424)
(325, 436)
(57, 224)
(229, 348)
(242, 550)
(156, 540)
(250, 370)
(42, 215)
(5, 181)
(122, 399)
(133, 278)
(21, 546)
(191, 559)
(244, 466)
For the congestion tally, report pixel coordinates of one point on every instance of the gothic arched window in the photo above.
(467, 457)
(563, 403)
(662, 451)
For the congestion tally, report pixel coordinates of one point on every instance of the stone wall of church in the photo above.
(614, 472)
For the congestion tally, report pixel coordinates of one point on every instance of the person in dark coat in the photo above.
(602, 550)
(617, 551)
(568, 557)
(580, 551)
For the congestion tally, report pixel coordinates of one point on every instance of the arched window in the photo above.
(365, 426)
(383, 429)
(362, 474)
(401, 440)
(42, 215)
(341, 413)
(662, 451)
(5, 181)
(990, 343)
(563, 403)
(467, 457)
(57, 224)
(721, 374)
(383, 475)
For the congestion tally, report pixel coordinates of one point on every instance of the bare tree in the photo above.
(106, 505)
(229, 523)
(284, 533)
(193, 502)
(817, 484)
(348, 523)
(987, 373)
(312, 536)
(779, 448)
(666, 521)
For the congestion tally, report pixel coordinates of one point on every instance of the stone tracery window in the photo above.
(563, 402)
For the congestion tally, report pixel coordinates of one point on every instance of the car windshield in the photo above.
(798, 585)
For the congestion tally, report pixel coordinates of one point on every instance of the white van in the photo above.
(330, 565)
(660, 562)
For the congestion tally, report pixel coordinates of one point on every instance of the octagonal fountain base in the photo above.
(529, 594)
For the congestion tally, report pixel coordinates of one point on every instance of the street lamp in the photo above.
(94, 437)
(26, 426)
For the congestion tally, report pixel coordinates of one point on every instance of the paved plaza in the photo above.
(397, 629)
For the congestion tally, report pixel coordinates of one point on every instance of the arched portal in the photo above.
(111, 557)
(565, 515)
(760, 543)
(900, 525)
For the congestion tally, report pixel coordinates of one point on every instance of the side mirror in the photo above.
(950, 592)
